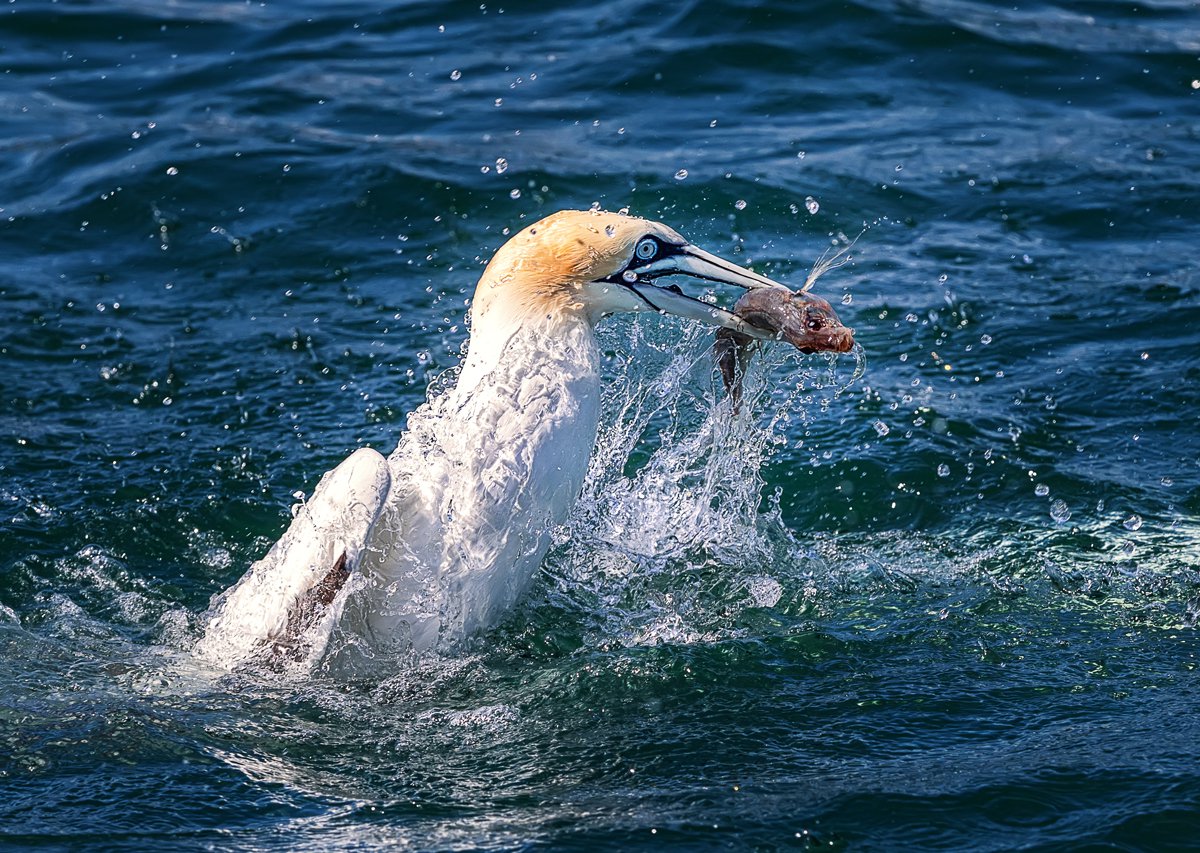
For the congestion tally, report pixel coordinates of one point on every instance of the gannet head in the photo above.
(597, 263)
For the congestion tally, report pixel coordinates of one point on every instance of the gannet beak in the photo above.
(690, 260)
(697, 263)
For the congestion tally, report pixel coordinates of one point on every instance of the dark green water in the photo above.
(238, 240)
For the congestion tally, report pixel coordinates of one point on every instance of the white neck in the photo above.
(494, 331)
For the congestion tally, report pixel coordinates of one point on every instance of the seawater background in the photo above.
(239, 239)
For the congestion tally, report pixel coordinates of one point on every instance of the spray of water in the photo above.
(672, 534)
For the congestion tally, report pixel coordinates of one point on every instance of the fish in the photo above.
(803, 320)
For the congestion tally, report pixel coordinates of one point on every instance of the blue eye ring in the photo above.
(646, 249)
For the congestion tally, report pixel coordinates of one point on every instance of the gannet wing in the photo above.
(286, 604)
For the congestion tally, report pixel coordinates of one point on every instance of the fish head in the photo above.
(805, 321)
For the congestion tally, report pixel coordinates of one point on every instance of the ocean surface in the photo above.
(949, 604)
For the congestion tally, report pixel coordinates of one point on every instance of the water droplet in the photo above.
(610, 230)
(1167, 481)
(455, 74)
(1041, 490)
(712, 123)
(881, 428)
(681, 174)
(911, 317)
(515, 193)
(847, 298)
(800, 155)
(485, 169)
(501, 165)
(629, 276)
(1134, 522)
(1145, 356)
(811, 205)
(985, 339)
(499, 102)
(1060, 512)
(171, 170)
(740, 204)
(943, 470)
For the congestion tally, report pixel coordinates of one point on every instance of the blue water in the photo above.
(950, 605)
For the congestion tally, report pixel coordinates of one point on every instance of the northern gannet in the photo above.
(439, 540)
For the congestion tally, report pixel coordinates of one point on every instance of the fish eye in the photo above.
(814, 323)
(646, 249)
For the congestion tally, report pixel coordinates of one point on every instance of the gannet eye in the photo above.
(646, 249)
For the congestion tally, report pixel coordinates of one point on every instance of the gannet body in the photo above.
(439, 540)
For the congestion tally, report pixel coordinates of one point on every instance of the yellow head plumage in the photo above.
(548, 265)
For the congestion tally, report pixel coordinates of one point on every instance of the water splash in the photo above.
(860, 368)
(672, 537)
